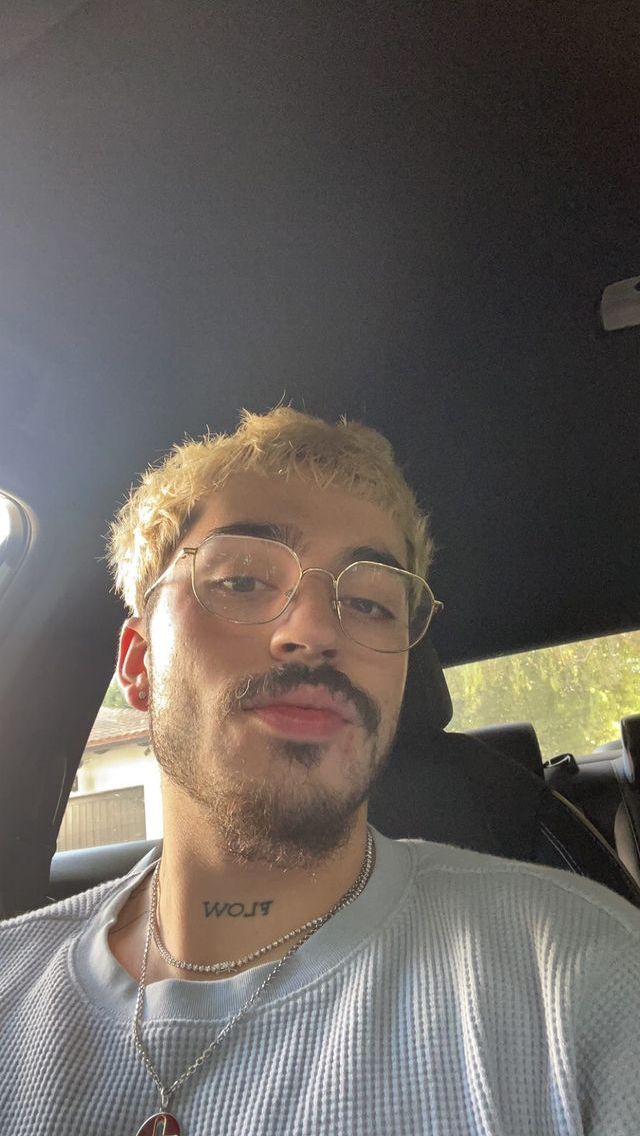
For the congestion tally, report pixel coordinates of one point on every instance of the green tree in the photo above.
(573, 694)
(114, 696)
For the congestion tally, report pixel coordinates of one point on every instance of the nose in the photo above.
(310, 623)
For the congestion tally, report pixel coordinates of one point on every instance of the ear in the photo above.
(132, 663)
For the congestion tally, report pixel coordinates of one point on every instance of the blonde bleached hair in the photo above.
(349, 456)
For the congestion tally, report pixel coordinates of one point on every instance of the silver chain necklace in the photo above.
(231, 964)
(163, 1123)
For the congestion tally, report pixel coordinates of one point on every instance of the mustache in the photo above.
(286, 678)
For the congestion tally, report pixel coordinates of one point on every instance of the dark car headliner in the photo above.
(402, 212)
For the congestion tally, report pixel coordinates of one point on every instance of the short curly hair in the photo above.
(350, 456)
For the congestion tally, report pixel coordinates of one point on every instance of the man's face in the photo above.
(269, 794)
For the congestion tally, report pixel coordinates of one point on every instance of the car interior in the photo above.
(411, 215)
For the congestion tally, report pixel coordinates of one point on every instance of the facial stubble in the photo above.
(286, 817)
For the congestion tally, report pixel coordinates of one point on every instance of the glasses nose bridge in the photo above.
(324, 572)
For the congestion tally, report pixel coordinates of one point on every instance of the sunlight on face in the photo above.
(268, 795)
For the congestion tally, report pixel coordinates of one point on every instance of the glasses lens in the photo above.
(383, 608)
(244, 579)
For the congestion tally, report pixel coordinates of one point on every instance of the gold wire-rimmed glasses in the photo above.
(253, 580)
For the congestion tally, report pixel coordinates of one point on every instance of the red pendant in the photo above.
(160, 1124)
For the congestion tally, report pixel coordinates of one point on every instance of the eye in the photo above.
(238, 584)
(362, 606)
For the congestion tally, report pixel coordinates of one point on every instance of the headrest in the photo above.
(517, 740)
(426, 706)
(630, 731)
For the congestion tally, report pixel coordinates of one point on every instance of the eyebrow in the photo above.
(293, 536)
(266, 530)
(379, 555)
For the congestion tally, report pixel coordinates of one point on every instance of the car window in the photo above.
(116, 793)
(14, 538)
(574, 694)
(5, 523)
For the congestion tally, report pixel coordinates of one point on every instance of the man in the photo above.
(280, 967)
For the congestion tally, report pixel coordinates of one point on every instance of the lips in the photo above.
(308, 713)
(309, 698)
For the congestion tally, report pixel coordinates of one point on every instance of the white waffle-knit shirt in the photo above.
(459, 995)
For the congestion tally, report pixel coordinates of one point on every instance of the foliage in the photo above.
(574, 695)
(114, 696)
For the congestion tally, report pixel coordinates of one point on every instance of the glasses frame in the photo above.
(185, 552)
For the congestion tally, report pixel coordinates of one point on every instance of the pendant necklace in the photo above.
(164, 1123)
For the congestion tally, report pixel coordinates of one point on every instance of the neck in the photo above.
(212, 909)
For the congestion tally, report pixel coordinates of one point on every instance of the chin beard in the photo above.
(256, 822)
(294, 824)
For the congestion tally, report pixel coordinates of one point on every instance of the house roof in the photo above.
(116, 726)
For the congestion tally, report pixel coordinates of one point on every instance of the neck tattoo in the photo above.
(236, 909)
(164, 1123)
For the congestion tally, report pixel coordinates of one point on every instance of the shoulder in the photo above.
(36, 937)
(520, 897)
(74, 908)
(70, 910)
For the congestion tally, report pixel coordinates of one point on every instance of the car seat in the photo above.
(457, 789)
(605, 786)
